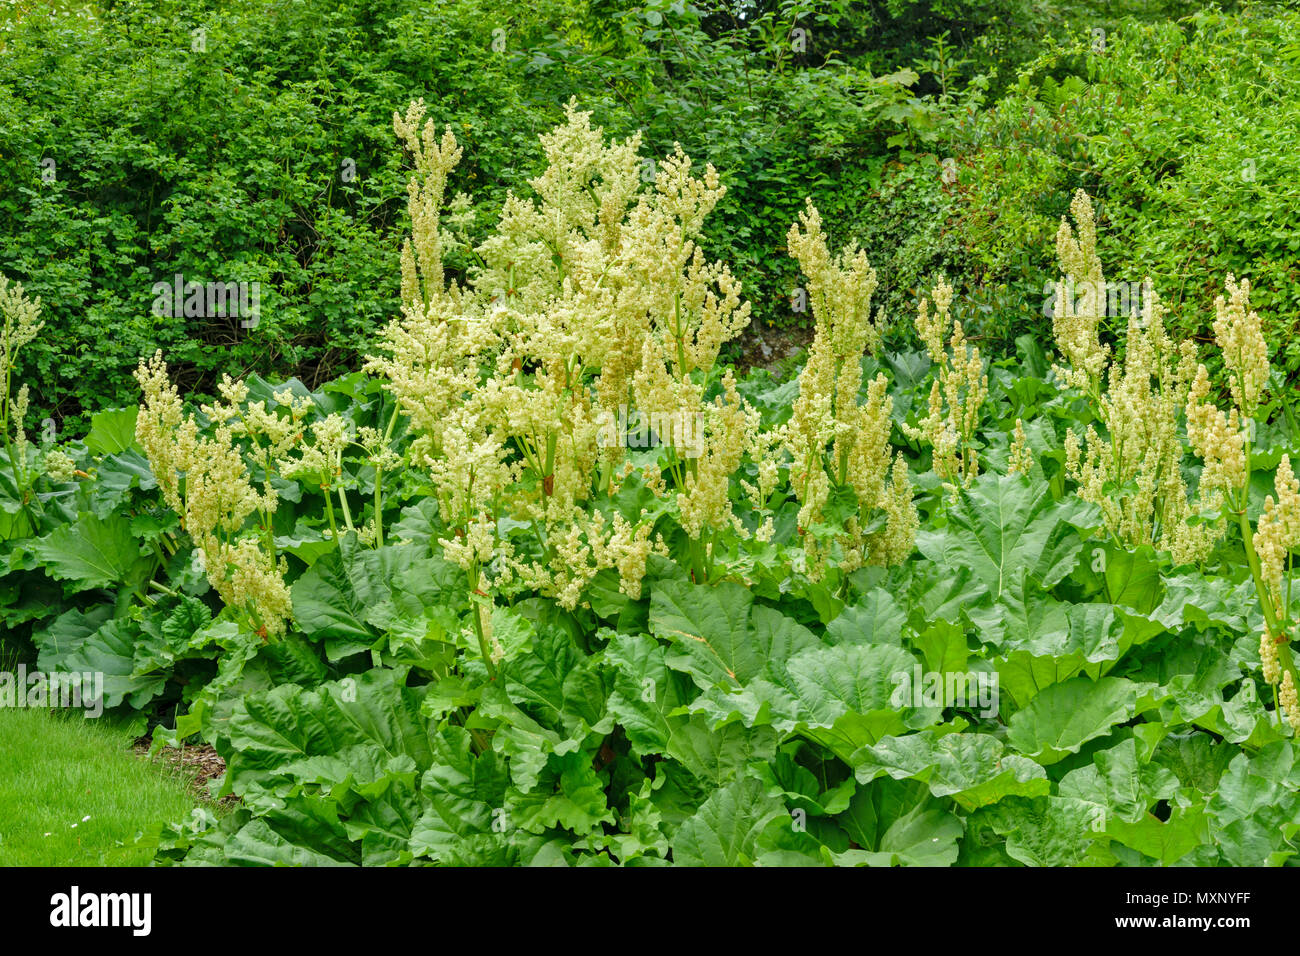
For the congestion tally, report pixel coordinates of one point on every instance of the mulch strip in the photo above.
(197, 764)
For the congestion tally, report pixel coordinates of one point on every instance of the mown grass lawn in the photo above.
(73, 794)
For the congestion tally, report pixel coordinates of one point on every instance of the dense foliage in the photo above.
(1178, 129)
(244, 142)
(546, 583)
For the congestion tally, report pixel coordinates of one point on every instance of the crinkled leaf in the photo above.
(94, 552)
(726, 829)
(1006, 524)
(972, 769)
(1065, 716)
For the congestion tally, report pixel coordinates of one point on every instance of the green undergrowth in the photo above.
(73, 794)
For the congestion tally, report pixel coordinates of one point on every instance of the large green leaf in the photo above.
(563, 688)
(78, 643)
(896, 825)
(570, 795)
(1065, 716)
(279, 740)
(1005, 525)
(646, 692)
(1167, 841)
(972, 769)
(1256, 809)
(840, 696)
(726, 830)
(112, 430)
(1121, 577)
(466, 795)
(1121, 782)
(876, 619)
(1051, 831)
(645, 700)
(93, 553)
(1039, 641)
(116, 476)
(350, 598)
(719, 637)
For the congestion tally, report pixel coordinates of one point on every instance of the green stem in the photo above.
(379, 482)
(343, 498)
(1271, 622)
(329, 512)
(475, 609)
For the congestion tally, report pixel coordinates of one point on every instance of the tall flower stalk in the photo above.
(21, 325)
(833, 438)
(1224, 442)
(1129, 462)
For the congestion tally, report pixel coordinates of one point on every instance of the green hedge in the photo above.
(260, 151)
(1185, 132)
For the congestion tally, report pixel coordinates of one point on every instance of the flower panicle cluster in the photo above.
(957, 393)
(705, 500)
(206, 481)
(1239, 333)
(21, 317)
(1222, 440)
(1218, 439)
(1128, 463)
(1020, 459)
(1278, 531)
(1272, 666)
(896, 541)
(585, 547)
(20, 323)
(320, 457)
(591, 297)
(840, 288)
(434, 158)
(1142, 450)
(834, 438)
(1289, 701)
(59, 465)
(18, 410)
(1076, 318)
